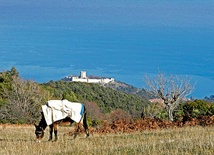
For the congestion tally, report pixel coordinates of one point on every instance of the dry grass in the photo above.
(19, 140)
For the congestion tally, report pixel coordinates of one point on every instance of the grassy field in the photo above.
(19, 140)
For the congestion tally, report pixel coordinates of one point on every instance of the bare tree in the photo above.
(23, 101)
(170, 89)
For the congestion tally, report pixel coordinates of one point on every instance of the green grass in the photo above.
(19, 140)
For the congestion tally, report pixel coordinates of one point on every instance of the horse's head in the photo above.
(39, 133)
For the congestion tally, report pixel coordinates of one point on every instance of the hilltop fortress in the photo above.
(88, 79)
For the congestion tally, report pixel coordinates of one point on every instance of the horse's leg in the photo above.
(85, 125)
(51, 132)
(75, 134)
(55, 131)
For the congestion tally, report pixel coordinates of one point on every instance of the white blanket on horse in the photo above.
(55, 110)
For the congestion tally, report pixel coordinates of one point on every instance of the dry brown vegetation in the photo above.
(131, 125)
(146, 136)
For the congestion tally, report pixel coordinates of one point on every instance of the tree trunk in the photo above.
(170, 114)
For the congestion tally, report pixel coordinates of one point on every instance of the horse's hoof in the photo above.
(75, 135)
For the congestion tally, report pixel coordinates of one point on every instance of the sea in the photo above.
(126, 40)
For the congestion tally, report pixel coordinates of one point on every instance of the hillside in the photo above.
(108, 99)
(123, 87)
(209, 99)
(116, 85)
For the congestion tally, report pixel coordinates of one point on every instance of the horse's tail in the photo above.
(85, 118)
(85, 122)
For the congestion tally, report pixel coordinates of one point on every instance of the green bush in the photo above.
(179, 114)
(163, 115)
(211, 111)
(198, 108)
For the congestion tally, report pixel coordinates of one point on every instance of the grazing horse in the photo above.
(53, 127)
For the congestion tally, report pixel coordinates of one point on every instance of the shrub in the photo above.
(119, 114)
(198, 108)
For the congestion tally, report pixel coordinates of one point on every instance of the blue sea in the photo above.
(48, 40)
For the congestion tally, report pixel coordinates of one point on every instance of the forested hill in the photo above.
(124, 87)
(21, 100)
(106, 98)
